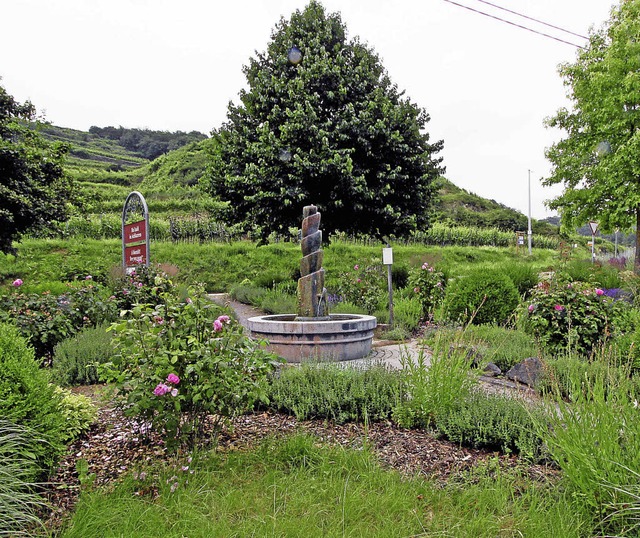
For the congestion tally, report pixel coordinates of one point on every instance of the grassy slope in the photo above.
(99, 165)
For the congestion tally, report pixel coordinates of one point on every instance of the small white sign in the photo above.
(387, 256)
(594, 227)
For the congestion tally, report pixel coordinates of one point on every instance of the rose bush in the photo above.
(363, 287)
(180, 365)
(569, 316)
(428, 285)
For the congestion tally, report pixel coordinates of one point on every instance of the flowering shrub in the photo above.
(428, 285)
(179, 364)
(144, 285)
(569, 316)
(362, 287)
(46, 319)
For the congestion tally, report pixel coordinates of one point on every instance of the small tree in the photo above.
(598, 162)
(33, 188)
(321, 123)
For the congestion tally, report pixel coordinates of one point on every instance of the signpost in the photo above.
(387, 259)
(135, 232)
(594, 228)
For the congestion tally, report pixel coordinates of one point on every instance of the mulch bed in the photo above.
(114, 447)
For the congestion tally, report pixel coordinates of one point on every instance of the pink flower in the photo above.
(17, 283)
(189, 301)
(532, 307)
(425, 265)
(356, 267)
(88, 277)
(358, 280)
(599, 291)
(158, 320)
(217, 325)
(416, 290)
(558, 308)
(224, 319)
(139, 284)
(161, 389)
(174, 392)
(173, 378)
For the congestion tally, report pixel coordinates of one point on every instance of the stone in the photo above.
(491, 370)
(311, 224)
(311, 243)
(310, 293)
(311, 263)
(528, 372)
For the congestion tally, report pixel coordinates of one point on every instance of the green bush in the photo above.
(481, 297)
(407, 313)
(28, 399)
(336, 392)
(276, 302)
(523, 276)
(247, 293)
(494, 422)
(428, 286)
(363, 286)
(75, 359)
(182, 365)
(569, 316)
(78, 411)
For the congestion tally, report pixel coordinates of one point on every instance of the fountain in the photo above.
(314, 333)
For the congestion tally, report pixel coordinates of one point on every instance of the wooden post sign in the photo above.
(135, 232)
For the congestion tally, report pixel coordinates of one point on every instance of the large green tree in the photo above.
(328, 128)
(598, 162)
(33, 188)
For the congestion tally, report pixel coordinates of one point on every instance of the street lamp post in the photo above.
(529, 232)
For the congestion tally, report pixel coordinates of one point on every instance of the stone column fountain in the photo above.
(313, 333)
(312, 295)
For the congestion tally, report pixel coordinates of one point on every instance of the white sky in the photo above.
(175, 64)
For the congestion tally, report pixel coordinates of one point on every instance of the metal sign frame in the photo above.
(135, 204)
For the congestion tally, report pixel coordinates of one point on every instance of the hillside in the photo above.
(106, 171)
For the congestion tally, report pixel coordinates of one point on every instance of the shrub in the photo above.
(277, 302)
(75, 359)
(407, 313)
(247, 293)
(336, 392)
(595, 440)
(569, 316)
(363, 286)
(78, 412)
(143, 285)
(523, 276)
(181, 363)
(433, 385)
(27, 399)
(428, 286)
(46, 319)
(494, 422)
(481, 297)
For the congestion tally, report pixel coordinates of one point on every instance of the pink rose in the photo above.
(358, 281)
(17, 283)
(161, 389)
(599, 291)
(558, 308)
(356, 267)
(174, 392)
(173, 378)
(224, 319)
(217, 325)
(532, 307)
(425, 265)
(416, 290)
(88, 277)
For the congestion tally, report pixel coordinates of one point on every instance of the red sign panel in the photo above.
(135, 233)
(135, 255)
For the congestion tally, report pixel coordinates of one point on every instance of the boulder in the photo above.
(529, 371)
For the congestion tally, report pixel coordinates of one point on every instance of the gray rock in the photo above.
(529, 371)
(491, 370)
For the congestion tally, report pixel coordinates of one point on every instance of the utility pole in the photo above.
(529, 232)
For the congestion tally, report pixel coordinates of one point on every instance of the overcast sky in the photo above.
(175, 64)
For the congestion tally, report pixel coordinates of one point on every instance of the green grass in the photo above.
(221, 265)
(297, 487)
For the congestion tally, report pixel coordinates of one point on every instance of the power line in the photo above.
(514, 24)
(532, 19)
